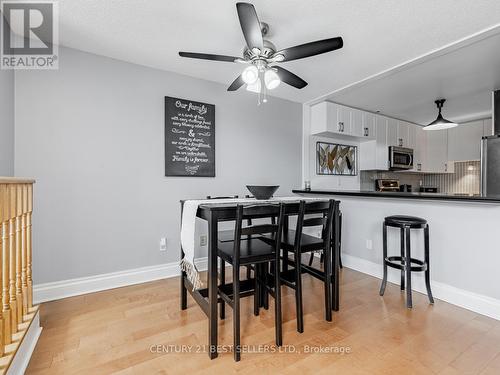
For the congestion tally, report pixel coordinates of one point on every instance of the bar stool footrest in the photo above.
(395, 262)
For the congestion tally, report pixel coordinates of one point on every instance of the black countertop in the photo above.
(403, 195)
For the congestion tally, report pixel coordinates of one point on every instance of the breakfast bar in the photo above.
(463, 239)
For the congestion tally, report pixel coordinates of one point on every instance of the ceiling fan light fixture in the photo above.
(250, 75)
(254, 87)
(440, 123)
(271, 79)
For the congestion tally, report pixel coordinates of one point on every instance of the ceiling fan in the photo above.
(261, 55)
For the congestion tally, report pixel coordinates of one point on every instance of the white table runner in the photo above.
(189, 235)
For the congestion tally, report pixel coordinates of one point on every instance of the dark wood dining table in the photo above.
(207, 298)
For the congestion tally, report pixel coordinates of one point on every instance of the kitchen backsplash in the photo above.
(465, 180)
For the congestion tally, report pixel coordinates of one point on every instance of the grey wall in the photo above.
(6, 123)
(91, 134)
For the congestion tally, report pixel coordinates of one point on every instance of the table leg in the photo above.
(336, 258)
(212, 285)
(183, 275)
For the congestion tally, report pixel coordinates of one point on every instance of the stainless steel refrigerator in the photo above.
(490, 154)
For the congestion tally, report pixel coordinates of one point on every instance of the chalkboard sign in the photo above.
(189, 138)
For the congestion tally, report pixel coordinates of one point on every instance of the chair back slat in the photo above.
(259, 229)
(314, 221)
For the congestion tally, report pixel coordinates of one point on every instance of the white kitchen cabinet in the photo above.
(436, 160)
(406, 135)
(464, 141)
(420, 149)
(369, 125)
(392, 132)
(381, 146)
(412, 136)
(329, 119)
(356, 122)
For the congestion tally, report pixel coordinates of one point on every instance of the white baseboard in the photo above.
(67, 288)
(23, 355)
(468, 300)
(83, 285)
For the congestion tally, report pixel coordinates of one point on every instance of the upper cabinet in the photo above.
(331, 119)
(436, 159)
(406, 134)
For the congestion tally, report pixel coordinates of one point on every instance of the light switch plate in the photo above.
(163, 244)
(203, 240)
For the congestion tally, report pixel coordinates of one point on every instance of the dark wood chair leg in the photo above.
(408, 268)
(340, 241)
(222, 281)
(236, 313)
(298, 292)
(265, 291)
(402, 239)
(328, 288)
(277, 305)
(256, 294)
(311, 258)
(384, 255)
(427, 262)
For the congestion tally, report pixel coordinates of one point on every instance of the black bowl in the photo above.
(262, 191)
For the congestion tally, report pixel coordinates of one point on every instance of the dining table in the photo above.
(207, 298)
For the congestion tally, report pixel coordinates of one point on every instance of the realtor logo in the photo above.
(30, 34)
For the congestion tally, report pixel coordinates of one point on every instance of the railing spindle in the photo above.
(7, 207)
(24, 260)
(30, 246)
(12, 259)
(19, 224)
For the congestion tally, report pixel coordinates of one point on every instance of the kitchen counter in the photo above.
(404, 195)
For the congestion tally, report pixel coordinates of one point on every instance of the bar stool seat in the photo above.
(405, 263)
(402, 220)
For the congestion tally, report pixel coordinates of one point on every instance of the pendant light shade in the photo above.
(440, 122)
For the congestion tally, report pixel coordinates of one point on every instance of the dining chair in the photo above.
(242, 252)
(298, 243)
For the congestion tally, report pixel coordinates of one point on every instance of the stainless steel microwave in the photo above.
(400, 158)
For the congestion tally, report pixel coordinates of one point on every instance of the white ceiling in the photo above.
(377, 34)
(464, 76)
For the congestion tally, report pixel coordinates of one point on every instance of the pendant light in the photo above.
(440, 123)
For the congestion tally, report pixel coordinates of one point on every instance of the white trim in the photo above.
(23, 355)
(478, 303)
(83, 285)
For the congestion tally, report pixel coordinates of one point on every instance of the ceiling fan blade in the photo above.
(208, 56)
(250, 25)
(290, 78)
(237, 83)
(310, 49)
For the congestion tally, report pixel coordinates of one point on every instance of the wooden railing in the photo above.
(16, 285)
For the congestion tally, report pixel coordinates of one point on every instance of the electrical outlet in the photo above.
(369, 244)
(163, 244)
(203, 240)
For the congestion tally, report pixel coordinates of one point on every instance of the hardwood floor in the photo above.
(113, 331)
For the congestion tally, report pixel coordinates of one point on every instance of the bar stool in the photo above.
(405, 224)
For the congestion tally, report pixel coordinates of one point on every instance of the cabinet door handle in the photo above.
(446, 167)
(340, 126)
(366, 132)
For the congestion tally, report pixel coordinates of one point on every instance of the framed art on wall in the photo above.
(189, 138)
(336, 159)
